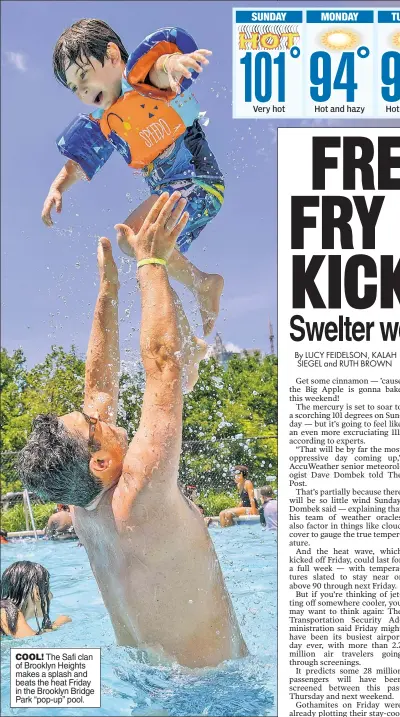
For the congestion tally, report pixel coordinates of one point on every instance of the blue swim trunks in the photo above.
(204, 200)
(190, 167)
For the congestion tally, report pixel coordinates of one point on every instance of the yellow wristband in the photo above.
(143, 262)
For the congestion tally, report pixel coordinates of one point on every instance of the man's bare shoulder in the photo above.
(151, 454)
(144, 483)
(130, 485)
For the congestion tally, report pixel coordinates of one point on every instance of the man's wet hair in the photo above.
(54, 464)
(84, 39)
(17, 583)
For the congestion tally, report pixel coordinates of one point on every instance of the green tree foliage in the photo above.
(213, 502)
(54, 386)
(229, 418)
(131, 387)
(13, 520)
(12, 385)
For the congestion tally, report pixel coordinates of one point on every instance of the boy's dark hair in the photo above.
(17, 583)
(84, 39)
(55, 464)
(267, 492)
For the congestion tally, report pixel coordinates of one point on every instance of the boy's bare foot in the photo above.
(191, 372)
(208, 296)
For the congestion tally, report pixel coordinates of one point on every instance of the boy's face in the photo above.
(94, 83)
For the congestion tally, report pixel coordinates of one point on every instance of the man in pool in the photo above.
(148, 546)
(59, 525)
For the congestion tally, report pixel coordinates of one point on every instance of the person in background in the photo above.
(248, 503)
(269, 509)
(60, 526)
(207, 519)
(190, 491)
(25, 593)
(3, 537)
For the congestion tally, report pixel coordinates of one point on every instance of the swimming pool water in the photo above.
(130, 686)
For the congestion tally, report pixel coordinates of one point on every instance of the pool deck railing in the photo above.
(24, 533)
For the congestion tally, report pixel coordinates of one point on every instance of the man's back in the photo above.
(160, 578)
(59, 523)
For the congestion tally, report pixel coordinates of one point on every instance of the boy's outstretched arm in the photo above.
(70, 173)
(168, 70)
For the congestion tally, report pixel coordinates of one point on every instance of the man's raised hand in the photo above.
(159, 231)
(107, 267)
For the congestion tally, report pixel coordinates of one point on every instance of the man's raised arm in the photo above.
(102, 361)
(156, 446)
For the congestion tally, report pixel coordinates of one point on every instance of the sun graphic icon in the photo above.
(339, 39)
(396, 40)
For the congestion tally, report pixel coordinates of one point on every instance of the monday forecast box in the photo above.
(339, 57)
(316, 63)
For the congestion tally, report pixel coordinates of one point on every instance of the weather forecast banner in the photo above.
(316, 63)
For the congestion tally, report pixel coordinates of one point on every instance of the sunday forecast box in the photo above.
(316, 63)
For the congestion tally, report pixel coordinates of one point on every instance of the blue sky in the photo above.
(49, 277)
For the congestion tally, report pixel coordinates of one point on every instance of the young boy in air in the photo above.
(142, 107)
